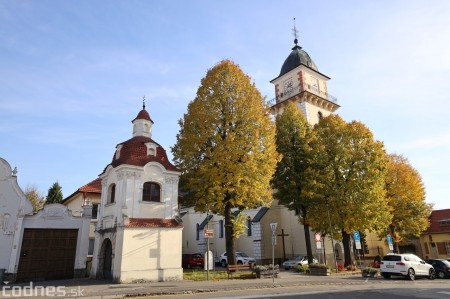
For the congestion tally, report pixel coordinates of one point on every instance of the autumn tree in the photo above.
(351, 185)
(35, 197)
(295, 177)
(54, 194)
(405, 193)
(226, 147)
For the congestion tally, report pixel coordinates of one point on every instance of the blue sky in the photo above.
(73, 74)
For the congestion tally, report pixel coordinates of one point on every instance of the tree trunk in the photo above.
(229, 231)
(347, 248)
(308, 243)
(307, 236)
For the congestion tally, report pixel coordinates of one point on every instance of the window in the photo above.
(197, 232)
(447, 247)
(315, 84)
(221, 229)
(151, 192)
(444, 222)
(91, 247)
(249, 226)
(319, 115)
(111, 193)
(94, 211)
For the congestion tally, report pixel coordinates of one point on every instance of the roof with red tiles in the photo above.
(153, 222)
(134, 152)
(436, 218)
(93, 187)
(143, 114)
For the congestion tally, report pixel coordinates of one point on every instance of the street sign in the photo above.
(273, 227)
(357, 239)
(318, 239)
(389, 240)
(208, 233)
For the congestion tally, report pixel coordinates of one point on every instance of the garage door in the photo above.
(47, 254)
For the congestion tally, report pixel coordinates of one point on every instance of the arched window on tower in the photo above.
(197, 232)
(249, 226)
(151, 192)
(319, 115)
(111, 193)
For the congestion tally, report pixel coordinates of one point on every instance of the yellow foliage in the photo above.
(239, 224)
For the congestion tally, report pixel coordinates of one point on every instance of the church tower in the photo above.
(301, 82)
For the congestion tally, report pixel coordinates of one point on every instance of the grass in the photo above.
(200, 275)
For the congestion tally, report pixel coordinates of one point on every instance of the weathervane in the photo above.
(294, 32)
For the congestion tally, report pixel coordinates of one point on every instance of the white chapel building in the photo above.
(138, 233)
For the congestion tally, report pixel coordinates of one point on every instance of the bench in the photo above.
(231, 269)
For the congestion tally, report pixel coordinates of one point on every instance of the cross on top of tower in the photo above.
(295, 33)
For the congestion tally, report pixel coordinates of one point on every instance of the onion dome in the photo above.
(297, 57)
(140, 150)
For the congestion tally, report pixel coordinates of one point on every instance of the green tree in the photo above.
(405, 193)
(226, 147)
(352, 176)
(54, 194)
(295, 177)
(35, 197)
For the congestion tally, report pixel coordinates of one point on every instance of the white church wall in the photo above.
(151, 254)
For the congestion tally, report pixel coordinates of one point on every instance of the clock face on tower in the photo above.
(288, 86)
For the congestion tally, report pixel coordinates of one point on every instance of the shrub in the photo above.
(302, 268)
(266, 267)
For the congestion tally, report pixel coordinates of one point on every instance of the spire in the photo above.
(295, 33)
(143, 103)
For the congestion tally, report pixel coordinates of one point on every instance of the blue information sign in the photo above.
(356, 236)
(389, 239)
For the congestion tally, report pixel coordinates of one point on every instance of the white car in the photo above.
(241, 258)
(408, 265)
(298, 260)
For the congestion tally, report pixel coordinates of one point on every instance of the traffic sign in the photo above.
(317, 237)
(389, 240)
(273, 227)
(357, 239)
(208, 233)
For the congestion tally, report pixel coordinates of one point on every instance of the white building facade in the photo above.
(49, 244)
(138, 233)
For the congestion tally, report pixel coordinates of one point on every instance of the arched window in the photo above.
(319, 115)
(151, 192)
(249, 226)
(197, 232)
(111, 193)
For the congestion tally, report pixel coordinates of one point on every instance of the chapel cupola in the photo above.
(301, 82)
(142, 124)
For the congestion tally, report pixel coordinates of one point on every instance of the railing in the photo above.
(297, 90)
